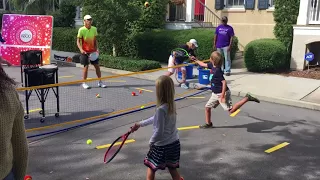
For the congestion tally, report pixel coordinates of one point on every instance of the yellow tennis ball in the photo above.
(142, 107)
(89, 141)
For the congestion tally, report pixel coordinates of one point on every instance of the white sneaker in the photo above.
(100, 84)
(86, 86)
(184, 86)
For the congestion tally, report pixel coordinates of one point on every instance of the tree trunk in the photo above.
(53, 5)
(114, 50)
(9, 4)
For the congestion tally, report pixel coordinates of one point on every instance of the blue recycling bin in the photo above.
(189, 70)
(204, 76)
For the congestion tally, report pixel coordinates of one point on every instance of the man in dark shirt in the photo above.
(220, 91)
(179, 57)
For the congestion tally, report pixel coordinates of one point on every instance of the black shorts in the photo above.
(84, 60)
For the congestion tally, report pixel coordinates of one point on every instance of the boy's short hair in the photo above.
(216, 58)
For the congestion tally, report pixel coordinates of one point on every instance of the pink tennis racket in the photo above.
(113, 150)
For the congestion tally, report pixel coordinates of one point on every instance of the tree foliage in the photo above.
(35, 7)
(112, 18)
(118, 20)
(152, 17)
(285, 15)
(65, 15)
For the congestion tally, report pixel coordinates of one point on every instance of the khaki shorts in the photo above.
(171, 63)
(214, 101)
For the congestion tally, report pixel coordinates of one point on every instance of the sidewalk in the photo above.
(292, 91)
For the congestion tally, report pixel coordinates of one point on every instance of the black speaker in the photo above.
(31, 57)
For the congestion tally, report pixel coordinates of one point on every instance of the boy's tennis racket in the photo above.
(181, 56)
(113, 150)
(94, 56)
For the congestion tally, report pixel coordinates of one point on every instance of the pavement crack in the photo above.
(309, 93)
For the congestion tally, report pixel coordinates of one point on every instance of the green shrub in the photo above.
(154, 45)
(265, 55)
(285, 15)
(128, 64)
(65, 39)
(157, 44)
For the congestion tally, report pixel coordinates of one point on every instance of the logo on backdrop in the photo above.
(26, 36)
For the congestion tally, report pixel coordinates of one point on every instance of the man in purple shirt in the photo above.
(223, 41)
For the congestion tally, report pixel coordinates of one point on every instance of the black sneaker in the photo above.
(205, 126)
(251, 98)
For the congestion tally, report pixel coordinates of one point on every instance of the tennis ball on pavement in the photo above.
(89, 141)
(142, 107)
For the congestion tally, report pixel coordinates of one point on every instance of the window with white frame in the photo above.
(234, 3)
(2, 4)
(271, 3)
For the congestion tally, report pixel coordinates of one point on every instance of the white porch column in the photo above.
(168, 9)
(190, 10)
(303, 17)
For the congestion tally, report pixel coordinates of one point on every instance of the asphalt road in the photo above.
(234, 150)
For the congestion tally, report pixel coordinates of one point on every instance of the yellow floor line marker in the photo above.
(144, 90)
(66, 76)
(196, 97)
(33, 110)
(235, 113)
(116, 144)
(277, 147)
(188, 127)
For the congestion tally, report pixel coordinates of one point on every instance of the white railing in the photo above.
(314, 12)
(205, 16)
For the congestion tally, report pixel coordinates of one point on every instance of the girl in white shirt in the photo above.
(164, 143)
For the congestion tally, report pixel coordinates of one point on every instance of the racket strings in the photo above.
(112, 151)
(115, 148)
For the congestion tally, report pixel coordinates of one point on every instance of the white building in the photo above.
(306, 36)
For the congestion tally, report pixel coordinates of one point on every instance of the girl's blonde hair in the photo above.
(165, 93)
(216, 58)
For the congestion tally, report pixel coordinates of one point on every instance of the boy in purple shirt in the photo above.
(223, 41)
